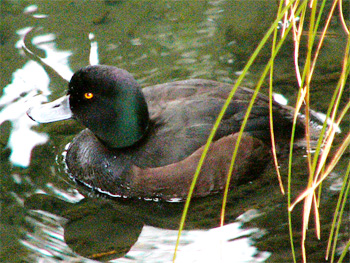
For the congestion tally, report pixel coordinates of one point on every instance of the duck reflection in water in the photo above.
(105, 229)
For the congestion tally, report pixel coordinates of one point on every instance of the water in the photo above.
(44, 217)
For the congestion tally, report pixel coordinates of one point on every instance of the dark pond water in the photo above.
(45, 219)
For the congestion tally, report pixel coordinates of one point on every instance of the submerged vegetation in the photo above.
(299, 20)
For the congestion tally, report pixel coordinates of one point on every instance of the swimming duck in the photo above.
(146, 143)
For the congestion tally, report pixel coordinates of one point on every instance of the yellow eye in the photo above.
(88, 95)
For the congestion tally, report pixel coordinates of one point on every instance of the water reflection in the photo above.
(105, 229)
(157, 43)
(26, 91)
(17, 96)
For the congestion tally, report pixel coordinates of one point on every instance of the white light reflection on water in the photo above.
(30, 87)
(93, 59)
(280, 98)
(222, 244)
(72, 196)
(30, 9)
(22, 93)
(47, 240)
(22, 139)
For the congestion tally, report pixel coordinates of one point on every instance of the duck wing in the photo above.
(183, 113)
(163, 163)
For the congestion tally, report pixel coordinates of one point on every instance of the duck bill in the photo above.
(57, 110)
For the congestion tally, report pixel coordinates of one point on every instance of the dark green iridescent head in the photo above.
(105, 99)
(109, 102)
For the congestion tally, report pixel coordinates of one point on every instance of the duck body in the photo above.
(146, 143)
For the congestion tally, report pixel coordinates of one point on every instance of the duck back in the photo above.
(162, 163)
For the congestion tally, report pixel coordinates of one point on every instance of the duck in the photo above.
(146, 143)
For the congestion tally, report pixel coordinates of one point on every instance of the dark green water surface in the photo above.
(43, 218)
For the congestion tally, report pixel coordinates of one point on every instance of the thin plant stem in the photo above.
(257, 88)
(274, 153)
(345, 251)
(216, 124)
(337, 216)
(345, 27)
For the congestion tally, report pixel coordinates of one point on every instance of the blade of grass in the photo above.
(341, 149)
(221, 114)
(317, 220)
(318, 148)
(300, 98)
(307, 207)
(340, 218)
(274, 153)
(234, 155)
(257, 88)
(320, 141)
(307, 73)
(324, 154)
(314, 63)
(329, 168)
(337, 217)
(303, 96)
(345, 251)
(342, 20)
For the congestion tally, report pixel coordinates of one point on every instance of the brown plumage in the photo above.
(165, 127)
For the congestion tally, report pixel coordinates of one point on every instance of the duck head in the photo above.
(105, 99)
